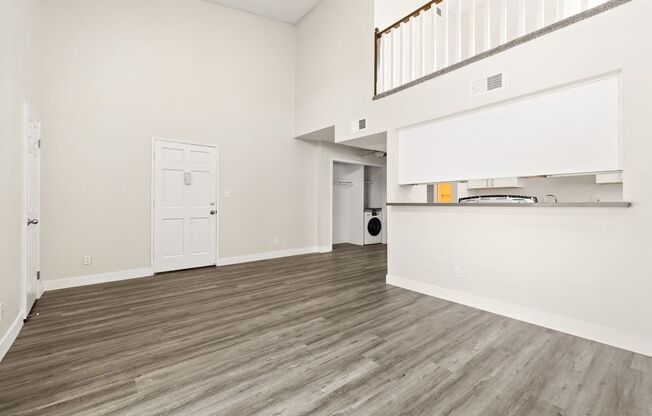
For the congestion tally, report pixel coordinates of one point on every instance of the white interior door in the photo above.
(33, 204)
(185, 206)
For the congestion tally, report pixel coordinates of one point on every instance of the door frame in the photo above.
(330, 191)
(152, 195)
(24, 312)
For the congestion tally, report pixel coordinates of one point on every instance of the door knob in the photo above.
(32, 222)
(213, 212)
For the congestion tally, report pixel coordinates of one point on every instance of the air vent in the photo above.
(359, 125)
(488, 84)
(495, 82)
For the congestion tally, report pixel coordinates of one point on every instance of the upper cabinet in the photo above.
(498, 183)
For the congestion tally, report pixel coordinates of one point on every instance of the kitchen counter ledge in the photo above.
(538, 205)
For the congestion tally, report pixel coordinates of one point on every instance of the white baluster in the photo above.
(504, 23)
(389, 60)
(454, 31)
(551, 12)
(406, 49)
(380, 68)
(459, 30)
(541, 14)
(428, 40)
(445, 41)
(417, 46)
(451, 36)
(487, 24)
(513, 19)
(397, 63)
(471, 29)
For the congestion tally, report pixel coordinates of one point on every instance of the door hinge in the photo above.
(39, 143)
(38, 275)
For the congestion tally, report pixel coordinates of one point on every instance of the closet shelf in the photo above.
(343, 183)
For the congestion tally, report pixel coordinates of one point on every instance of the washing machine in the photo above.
(373, 226)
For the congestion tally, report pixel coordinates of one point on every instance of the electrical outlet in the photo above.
(276, 240)
(88, 260)
(458, 272)
(227, 194)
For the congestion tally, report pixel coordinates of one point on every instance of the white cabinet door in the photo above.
(506, 183)
(609, 178)
(185, 206)
(497, 183)
(479, 184)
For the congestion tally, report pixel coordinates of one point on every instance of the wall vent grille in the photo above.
(488, 84)
(495, 82)
(359, 125)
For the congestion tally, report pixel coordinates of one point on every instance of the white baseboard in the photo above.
(326, 249)
(56, 284)
(11, 335)
(587, 330)
(226, 261)
(40, 289)
(93, 279)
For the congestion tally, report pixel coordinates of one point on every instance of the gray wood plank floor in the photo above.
(310, 335)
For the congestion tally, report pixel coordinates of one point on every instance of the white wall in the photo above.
(580, 270)
(117, 73)
(334, 63)
(18, 19)
(388, 12)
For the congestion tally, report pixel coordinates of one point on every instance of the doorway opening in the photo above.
(32, 210)
(358, 203)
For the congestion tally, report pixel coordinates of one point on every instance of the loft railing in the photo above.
(445, 32)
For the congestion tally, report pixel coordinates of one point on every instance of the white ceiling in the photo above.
(290, 11)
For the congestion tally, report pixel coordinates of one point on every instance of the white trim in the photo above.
(93, 279)
(40, 289)
(11, 335)
(226, 261)
(23, 214)
(326, 249)
(161, 139)
(152, 194)
(587, 330)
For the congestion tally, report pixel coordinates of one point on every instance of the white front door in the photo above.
(33, 204)
(184, 205)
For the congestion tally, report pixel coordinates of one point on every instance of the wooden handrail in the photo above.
(426, 7)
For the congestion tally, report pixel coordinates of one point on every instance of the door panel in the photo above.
(172, 235)
(200, 240)
(185, 181)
